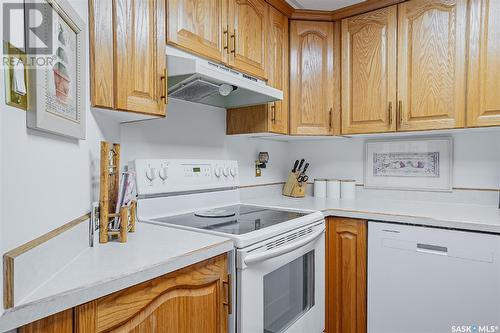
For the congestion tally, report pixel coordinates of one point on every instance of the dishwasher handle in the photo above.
(429, 248)
(253, 258)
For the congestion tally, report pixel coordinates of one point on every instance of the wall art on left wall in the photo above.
(57, 73)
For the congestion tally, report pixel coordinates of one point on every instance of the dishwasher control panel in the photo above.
(163, 176)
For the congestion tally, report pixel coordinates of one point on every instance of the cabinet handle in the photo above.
(273, 113)
(229, 301)
(400, 113)
(226, 39)
(390, 113)
(233, 37)
(330, 115)
(163, 82)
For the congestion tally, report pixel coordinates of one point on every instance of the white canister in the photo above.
(333, 189)
(348, 189)
(320, 188)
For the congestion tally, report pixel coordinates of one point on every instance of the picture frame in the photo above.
(418, 164)
(57, 98)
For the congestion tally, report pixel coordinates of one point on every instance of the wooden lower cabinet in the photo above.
(346, 275)
(193, 299)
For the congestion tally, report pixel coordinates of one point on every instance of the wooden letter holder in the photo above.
(109, 187)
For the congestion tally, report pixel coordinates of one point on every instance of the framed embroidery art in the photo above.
(409, 164)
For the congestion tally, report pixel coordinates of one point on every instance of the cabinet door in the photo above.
(431, 64)
(369, 54)
(483, 107)
(61, 322)
(278, 69)
(198, 26)
(311, 78)
(248, 22)
(189, 300)
(346, 275)
(140, 68)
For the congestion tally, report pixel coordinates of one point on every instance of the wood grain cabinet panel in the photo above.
(483, 106)
(127, 55)
(369, 51)
(312, 78)
(278, 69)
(199, 26)
(59, 323)
(271, 117)
(140, 56)
(431, 64)
(346, 275)
(189, 300)
(248, 25)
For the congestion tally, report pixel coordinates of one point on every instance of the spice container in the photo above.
(320, 187)
(348, 189)
(333, 189)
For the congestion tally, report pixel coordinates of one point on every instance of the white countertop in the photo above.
(150, 252)
(447, 215)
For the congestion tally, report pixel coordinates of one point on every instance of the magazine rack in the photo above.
(108, 198)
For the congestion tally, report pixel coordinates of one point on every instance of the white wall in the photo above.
(197, 131)
(476, 158)
(46, 180)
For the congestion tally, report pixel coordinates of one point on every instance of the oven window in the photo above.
(288, 293)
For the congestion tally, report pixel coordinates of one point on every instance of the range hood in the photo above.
(194, 79)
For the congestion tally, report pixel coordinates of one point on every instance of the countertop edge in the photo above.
(26, 313)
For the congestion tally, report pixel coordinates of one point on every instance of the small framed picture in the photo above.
(57, 76)
(424, 164)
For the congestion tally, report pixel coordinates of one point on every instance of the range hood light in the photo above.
(225, 89)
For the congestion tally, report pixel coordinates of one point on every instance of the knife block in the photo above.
(293, 188)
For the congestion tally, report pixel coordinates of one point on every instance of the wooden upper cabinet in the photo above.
(312, 78)
(369, 53)
(278, 69)
(189, 300)
(140, 56)
(198, 26)
(346, 275)
(483, 107)
(248, 25)
(431, 64)
(127, 55)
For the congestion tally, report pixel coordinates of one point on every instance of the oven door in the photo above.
(281, 283)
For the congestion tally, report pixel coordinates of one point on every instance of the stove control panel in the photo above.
(157, 176)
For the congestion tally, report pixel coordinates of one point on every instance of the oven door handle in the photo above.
(285, 248)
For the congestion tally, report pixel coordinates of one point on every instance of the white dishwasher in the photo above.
(428, 280)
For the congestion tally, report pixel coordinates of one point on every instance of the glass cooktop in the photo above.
(236, 220)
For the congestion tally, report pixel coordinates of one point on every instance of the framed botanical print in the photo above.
(424, 164)
(57, 75)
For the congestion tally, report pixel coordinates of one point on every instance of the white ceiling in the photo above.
(322, 4)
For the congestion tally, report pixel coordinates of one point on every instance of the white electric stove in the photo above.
(279, 261)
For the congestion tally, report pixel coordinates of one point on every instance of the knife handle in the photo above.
(295, 166)
(305, 168)
(300, 164)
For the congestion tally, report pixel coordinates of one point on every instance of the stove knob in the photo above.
(163, 173)
(226, 171)
(218, 172)
(234, 171)
(150, 174)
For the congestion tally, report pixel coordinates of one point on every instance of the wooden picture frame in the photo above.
(57, 102)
